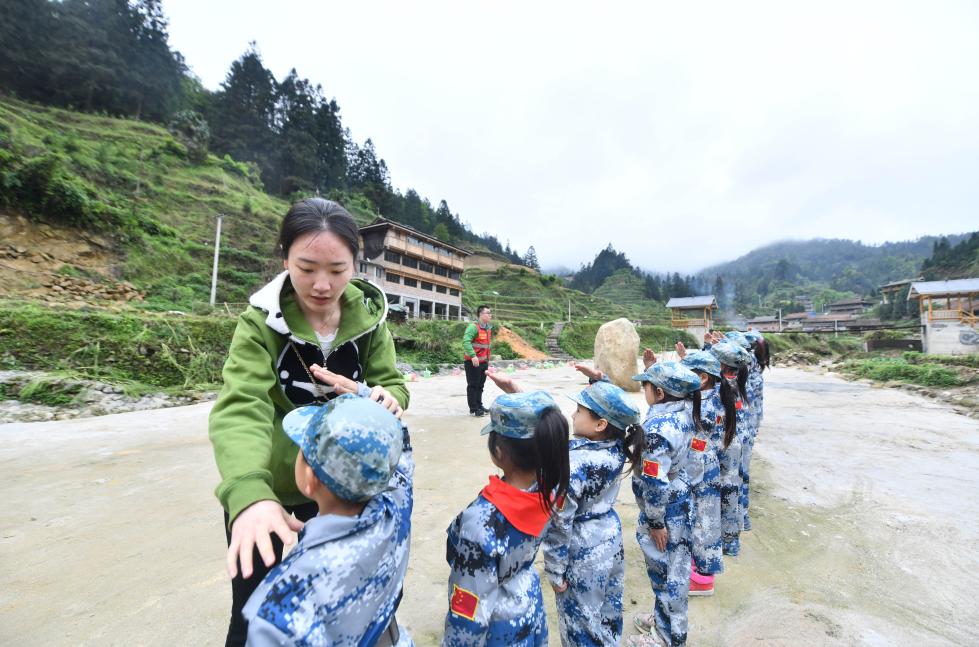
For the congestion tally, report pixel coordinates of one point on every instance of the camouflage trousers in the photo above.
(669, 571)
(705, 538)
(732, 517)
(590, 610)
(747, 446)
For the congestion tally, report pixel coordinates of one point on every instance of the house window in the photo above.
(407, 261)
(426, 285)
(363, 267)
(441, 271)
(378, 272)
(394, 278)
(454, 292)
(440, 289)
(455, 276)
(392, 257)
(410, 283)
(425, 267)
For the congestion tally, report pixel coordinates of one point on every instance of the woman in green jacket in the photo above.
(311, 334)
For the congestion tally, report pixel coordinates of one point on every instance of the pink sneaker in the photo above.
(701, 585)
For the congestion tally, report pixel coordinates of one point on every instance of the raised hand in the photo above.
(506, 383)
(589, 372)
(648, 357)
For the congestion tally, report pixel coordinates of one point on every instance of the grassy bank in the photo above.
(817, 344)
(916, 368)
(145, 351)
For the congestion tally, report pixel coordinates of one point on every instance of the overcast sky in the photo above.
(685, 134)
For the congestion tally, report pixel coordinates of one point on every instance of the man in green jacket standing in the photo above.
(476, 344)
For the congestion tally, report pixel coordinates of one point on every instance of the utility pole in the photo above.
(217, 251)
(780, 320)
(569, 310)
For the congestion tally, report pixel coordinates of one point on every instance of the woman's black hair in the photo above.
(317, 215)
(546, 454)
(728, 400)
(762, 355)
(742, 382)
(633, 440)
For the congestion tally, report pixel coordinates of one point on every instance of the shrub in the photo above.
(887, 369)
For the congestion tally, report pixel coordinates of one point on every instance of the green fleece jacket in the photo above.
(255, 458)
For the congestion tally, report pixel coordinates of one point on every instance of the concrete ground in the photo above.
(865, 511)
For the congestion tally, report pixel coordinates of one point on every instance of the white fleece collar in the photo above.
(267, 299)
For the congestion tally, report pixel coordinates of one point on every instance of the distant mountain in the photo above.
(772, 276)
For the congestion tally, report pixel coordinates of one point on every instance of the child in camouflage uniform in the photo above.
(341, 584)
(583, 554)
(494, 592)
(750, 428)
(663, 496)
(704, 471)
(734, 361)
(756, 396)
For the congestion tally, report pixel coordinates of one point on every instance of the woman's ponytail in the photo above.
(552, 465)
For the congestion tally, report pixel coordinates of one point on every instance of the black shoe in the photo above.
(479, 413)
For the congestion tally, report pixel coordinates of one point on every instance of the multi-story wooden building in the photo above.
(417, 271)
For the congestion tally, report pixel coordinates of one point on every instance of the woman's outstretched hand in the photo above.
(253, 527)
(342, 384)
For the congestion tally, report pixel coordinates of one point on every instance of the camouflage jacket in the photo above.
(586, 518)
(662, 478)
(494, 592)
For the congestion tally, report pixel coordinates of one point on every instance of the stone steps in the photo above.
(553, 348)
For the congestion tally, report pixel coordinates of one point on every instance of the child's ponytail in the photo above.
(762, 354)
(728, 399)
(551, 449)
(697, 422)
(742, 383)
(633, 440)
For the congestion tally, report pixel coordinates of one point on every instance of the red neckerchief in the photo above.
(522, 509)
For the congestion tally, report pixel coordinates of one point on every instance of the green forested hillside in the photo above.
(823, 269)
(522, 296)
(133, 182)
(953, 261)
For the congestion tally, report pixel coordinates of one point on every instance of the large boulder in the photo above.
(617, 352)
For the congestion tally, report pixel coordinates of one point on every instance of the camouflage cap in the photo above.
(672, 377)
(610, 402)
(753, 336)
(737, 337)
(352, 444)
(515, 415)
(701, 360)
(731, 354)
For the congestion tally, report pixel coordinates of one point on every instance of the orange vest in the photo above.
(481, 344)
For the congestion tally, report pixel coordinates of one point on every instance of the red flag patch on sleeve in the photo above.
(650, 468)
(720, 419)
(464, 602)
(698, 444)
(738, 405)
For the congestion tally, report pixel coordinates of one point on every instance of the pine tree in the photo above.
(244, 115)
(530, 259)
